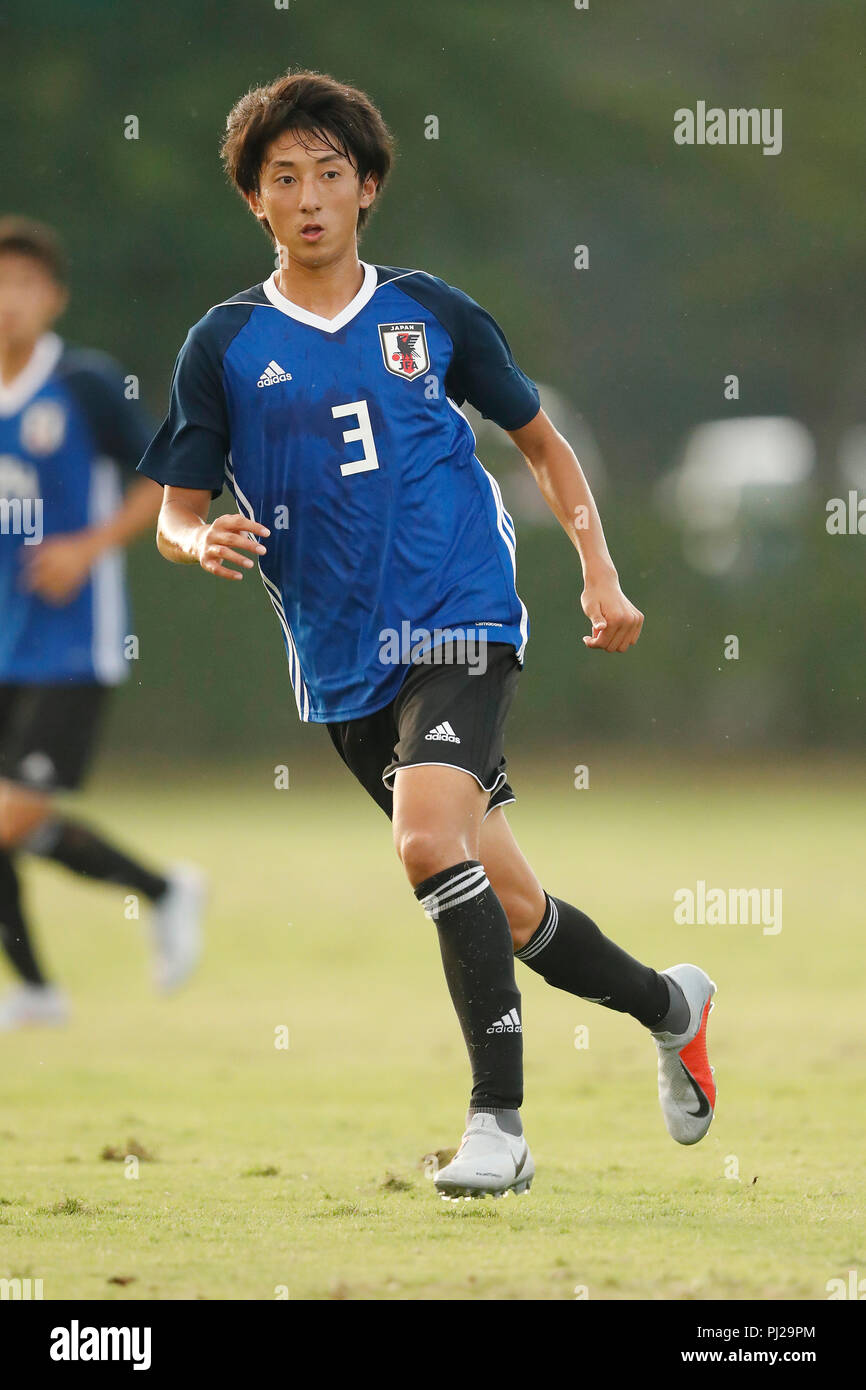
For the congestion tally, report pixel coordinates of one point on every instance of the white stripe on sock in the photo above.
(459, 889)
(458, 882)
(542, 937)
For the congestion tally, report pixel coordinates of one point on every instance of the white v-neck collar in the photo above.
(43, 360)
(294, 311)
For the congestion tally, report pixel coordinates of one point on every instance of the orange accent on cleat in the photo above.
(696, 1062)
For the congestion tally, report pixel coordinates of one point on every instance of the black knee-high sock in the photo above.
(14, 933)
(572, 954)
(478, 958)
(80, 849)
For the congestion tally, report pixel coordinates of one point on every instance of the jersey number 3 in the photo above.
(364, 432)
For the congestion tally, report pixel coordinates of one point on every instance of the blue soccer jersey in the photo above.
(65, 431)
(345, 437)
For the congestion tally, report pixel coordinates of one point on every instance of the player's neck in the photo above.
(14, 357)
(324, 289)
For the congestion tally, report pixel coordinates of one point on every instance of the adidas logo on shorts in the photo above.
(444, 733)
(273, 375)
(508, 1023)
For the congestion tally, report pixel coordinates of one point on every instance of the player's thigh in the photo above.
(366, 746)
(511, 877)
(46, 742)
(438, 815)
(449, 757)
(50, 735)
(22, 809)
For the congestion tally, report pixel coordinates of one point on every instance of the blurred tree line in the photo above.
(555, 130)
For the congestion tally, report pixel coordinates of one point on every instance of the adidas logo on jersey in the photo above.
(444, 733)
(273, 375)
(508, 1023)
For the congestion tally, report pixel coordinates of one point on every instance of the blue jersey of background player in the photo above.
(67, 434)
(329, 396)
(66, 431)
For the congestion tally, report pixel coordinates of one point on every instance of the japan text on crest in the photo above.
(404, 348)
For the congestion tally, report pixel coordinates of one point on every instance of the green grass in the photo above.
(302, 1168)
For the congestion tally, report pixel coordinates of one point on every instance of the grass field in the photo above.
(297, 1172)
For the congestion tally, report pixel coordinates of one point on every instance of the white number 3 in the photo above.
(364, 432)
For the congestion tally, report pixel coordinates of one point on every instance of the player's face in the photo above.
(311, 198)
(30, 298)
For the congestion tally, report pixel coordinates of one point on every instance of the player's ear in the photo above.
(61, 301)
(255, 204)
(369, 189)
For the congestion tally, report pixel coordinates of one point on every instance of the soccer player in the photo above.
(329, 397)
(65, 431)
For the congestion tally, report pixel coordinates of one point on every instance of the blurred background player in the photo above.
(66, 429)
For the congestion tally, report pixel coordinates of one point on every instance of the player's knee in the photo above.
(524, 908)
(20, 814)
(425, 852)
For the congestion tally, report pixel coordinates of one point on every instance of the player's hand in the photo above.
(221, 540)
(59, 565)
(616, 623)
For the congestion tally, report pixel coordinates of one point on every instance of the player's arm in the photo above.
(616, 622)
(120, 431)
(58, 567)
(483, 371)
(188, 456)
(186, 537)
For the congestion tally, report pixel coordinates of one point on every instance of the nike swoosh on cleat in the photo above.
(703, 1104)
(521, 1163)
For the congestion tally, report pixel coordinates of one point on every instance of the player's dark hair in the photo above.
(317, 107)
(20, 236)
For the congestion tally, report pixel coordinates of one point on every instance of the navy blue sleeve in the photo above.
(119, 426)
(192, 443)
(483, 370)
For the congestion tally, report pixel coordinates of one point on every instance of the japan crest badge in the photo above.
(404, 348)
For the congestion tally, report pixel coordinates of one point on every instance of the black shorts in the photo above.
(47, 733)
(443, 713)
